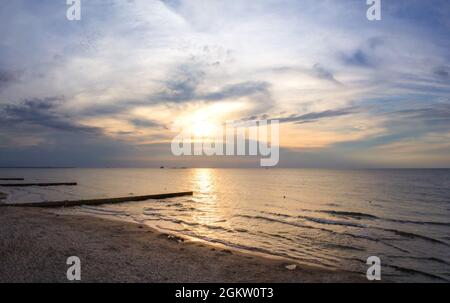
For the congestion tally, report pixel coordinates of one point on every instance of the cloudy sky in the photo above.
(108, 89)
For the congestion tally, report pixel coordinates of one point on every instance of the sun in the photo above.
(203, 128)
(207, 121)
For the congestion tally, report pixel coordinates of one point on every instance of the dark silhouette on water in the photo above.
(38, 184)
(100, 201)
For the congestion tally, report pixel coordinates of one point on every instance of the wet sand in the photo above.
(35, 244)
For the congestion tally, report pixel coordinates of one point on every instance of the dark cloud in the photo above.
(322, 73)
(183, 91)
(358, 58)
(66, 149)
(305, 122)
(43, 112)
(144, 123)
(442, 72)
(374, 42)
(182, 87)
(305, 118)
(7, 77)
(365, 55)
(238, 90)
(313, 116)
(105, 110)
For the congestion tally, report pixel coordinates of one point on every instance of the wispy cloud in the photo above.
(314, 116)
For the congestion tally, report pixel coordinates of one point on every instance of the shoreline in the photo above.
(35, 244)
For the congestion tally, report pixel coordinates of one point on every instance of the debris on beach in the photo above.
(175, 238)
(291, 267)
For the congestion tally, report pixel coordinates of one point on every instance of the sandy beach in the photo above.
(35, 244)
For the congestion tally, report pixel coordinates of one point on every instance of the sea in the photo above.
(334, 219)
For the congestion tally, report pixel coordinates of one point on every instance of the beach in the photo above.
(35, 244)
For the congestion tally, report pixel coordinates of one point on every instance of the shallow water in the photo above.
(332, 218)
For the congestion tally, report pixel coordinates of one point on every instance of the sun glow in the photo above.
(206, 121)
(204, 128)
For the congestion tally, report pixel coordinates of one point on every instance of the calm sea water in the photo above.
(334, 219)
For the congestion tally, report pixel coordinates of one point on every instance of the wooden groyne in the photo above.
(100, 201)
(12, 179)
(38, 184)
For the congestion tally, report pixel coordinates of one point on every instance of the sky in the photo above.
(107, 91)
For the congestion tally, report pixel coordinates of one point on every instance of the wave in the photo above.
(179, 221)
(413, 235)
(310, 227)
(433, 259)
(419, 222)
(350, 214)
(396, 247)
(105, 211)
(331, 222)
(317, 220)
(346, 247)
(360, 215)
(261, 250)
(275, 220)
(417, 272)
(355, 236)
